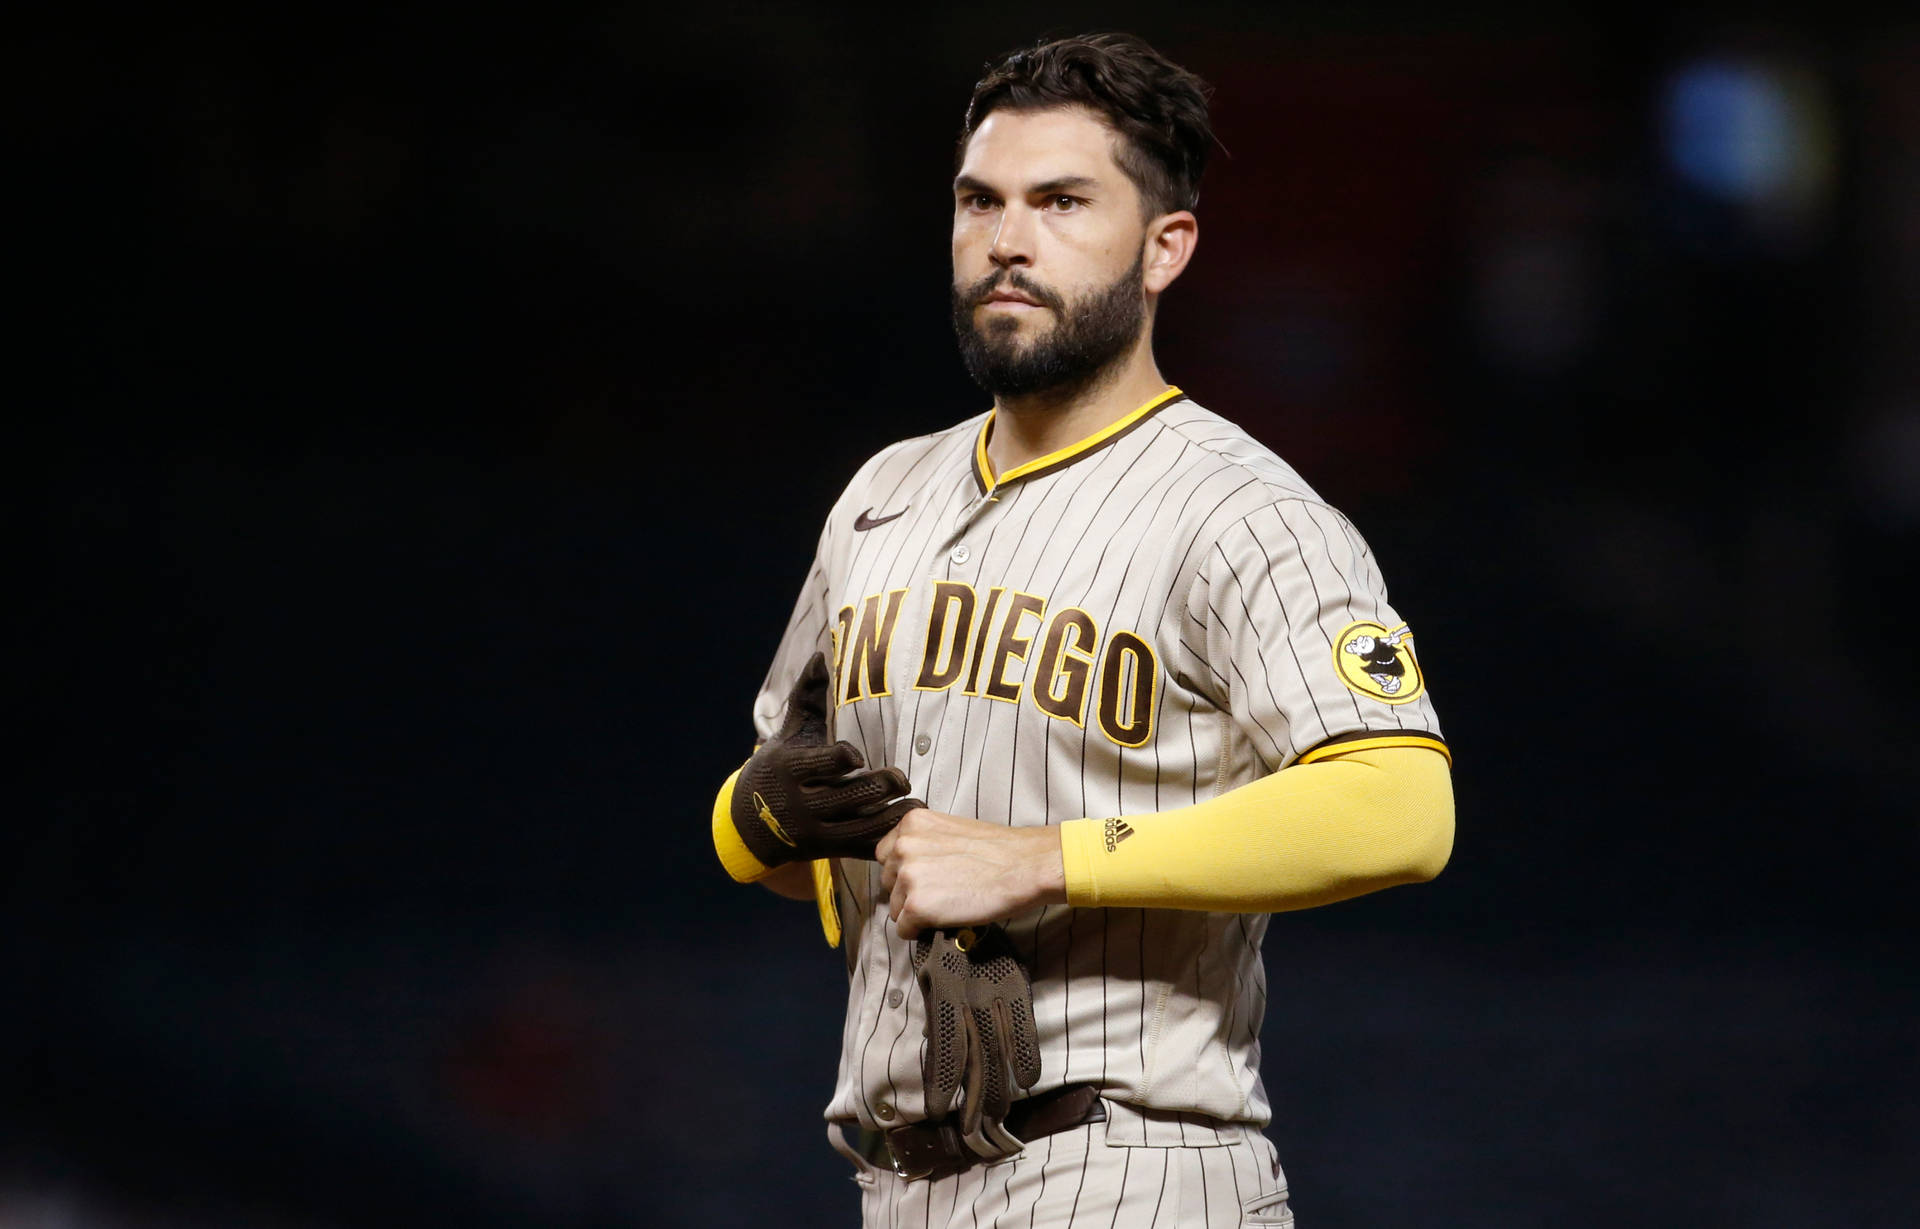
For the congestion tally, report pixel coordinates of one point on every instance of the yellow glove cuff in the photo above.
(734, 855)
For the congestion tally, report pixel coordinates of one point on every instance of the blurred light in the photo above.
(1728, 129)
(1749, 132)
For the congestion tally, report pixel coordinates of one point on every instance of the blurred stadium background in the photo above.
(426, 419)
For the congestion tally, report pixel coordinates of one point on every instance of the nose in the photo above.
(1012, 239)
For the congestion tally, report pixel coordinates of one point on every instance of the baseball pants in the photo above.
(1074, 1180)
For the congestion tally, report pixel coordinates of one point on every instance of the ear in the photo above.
(1170, 241)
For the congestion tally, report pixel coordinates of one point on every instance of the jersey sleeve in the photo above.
(808, 631)
(1314, 659)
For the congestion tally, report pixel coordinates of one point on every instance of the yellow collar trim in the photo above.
(984, 467)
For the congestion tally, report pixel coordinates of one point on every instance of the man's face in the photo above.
(1047, 248)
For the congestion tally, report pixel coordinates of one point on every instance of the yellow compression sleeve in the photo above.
(734, 854)
(1307, 835)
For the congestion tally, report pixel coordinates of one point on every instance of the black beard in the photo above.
(1087, 339)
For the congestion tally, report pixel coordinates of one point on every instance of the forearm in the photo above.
(1308, 835)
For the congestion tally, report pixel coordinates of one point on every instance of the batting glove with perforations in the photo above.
(980, 1035)
(801, 797)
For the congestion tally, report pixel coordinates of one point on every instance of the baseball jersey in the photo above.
(1141, 621)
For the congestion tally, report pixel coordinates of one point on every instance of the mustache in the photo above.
(1013, 279)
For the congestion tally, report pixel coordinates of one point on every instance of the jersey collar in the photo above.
(983, 468)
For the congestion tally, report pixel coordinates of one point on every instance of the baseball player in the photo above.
(1075, 694)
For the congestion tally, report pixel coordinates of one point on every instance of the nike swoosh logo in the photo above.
(863, 522)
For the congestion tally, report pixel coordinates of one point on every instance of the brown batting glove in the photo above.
(801, 798)
(980, 1035)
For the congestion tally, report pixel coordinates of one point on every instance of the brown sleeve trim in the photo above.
(1363, 740)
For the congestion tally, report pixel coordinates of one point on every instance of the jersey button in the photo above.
(895, 998)
(883, 1112)
(961, 553)
(922, 745)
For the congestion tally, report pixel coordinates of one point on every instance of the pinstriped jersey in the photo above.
(1142, 621)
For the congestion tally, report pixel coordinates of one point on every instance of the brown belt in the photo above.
(936, 1150)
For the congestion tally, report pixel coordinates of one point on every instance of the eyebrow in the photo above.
(1065, 183)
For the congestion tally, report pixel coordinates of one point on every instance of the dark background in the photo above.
(425, 421)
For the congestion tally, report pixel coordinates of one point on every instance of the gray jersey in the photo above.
(1156, 615)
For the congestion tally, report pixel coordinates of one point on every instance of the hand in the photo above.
(800, 798)
(947, 870)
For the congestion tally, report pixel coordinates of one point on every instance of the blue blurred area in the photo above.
(427, 424)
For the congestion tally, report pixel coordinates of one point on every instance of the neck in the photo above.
(1026, 428)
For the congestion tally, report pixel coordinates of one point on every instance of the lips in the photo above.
(1009, 288)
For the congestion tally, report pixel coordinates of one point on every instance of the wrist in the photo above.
(1046, 866)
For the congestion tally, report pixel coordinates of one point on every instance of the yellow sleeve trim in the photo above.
(734, 854)
(1330, 749)
(1308, 835)
(823, 896)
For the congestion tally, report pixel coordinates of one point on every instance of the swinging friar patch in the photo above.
(1378, 662)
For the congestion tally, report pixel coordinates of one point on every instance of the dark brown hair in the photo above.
(1158, 108)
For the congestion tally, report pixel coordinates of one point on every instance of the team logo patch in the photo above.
(1378, 662)
(766, 817)
(1117, 830)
